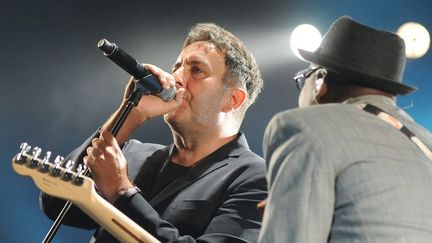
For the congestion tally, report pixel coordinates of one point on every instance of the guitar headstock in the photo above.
(58, 178)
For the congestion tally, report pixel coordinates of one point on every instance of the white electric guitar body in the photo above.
(59, 180)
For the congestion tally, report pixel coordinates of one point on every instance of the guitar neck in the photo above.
(62, 182)
(118, 224)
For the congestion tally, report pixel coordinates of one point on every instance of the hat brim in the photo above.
(367, 79)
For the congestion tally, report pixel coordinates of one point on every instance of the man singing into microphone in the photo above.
(206, 185)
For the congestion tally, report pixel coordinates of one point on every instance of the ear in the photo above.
(320, 87)
(237, 97)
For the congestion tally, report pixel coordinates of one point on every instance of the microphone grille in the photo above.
(167, 94)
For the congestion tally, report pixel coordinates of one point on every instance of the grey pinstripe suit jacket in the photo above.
(339, 174)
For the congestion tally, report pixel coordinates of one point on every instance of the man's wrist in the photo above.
(130, 192)
(126, 195)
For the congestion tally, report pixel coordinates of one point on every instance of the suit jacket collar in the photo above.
(381, 99)
(207, 165)
(387, 104)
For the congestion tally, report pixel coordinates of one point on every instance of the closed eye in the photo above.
(197, 70)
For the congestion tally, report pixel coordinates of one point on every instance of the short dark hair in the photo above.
(242, 68)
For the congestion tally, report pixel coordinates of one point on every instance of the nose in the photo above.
(179, 78)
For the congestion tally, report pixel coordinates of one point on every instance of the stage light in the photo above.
(416, 37)
(305, 37)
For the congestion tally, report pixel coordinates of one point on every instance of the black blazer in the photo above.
(214, 201)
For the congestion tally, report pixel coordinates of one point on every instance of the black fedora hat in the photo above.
(367, 56)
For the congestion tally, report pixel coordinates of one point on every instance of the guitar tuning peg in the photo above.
(82, 169)
(45, 165)
(68, 174)
(21, 157)
(56, 170)
(58, 160)
(23, 146)
(33, 163)
(36, 152)
(47, 157)
(69, 165)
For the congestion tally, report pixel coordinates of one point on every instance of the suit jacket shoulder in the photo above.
(335, 170)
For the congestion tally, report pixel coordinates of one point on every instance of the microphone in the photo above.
(143, 76)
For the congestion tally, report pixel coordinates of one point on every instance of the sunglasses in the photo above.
(301, 76)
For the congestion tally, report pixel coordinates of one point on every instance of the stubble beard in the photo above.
(184, 123)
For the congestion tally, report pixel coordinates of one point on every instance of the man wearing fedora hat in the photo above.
(349, 165)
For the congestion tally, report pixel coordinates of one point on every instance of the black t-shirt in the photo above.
(167, 174)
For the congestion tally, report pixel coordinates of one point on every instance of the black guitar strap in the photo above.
(398, 125)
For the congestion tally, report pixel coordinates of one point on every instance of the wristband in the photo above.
(130, 192)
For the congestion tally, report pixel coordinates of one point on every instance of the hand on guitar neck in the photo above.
(59, 179)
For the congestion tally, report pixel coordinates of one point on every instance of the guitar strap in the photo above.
(398, 125)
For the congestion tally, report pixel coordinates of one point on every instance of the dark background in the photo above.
(57, 87)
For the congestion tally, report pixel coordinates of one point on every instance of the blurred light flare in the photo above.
(306, 37)
(416, 37)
